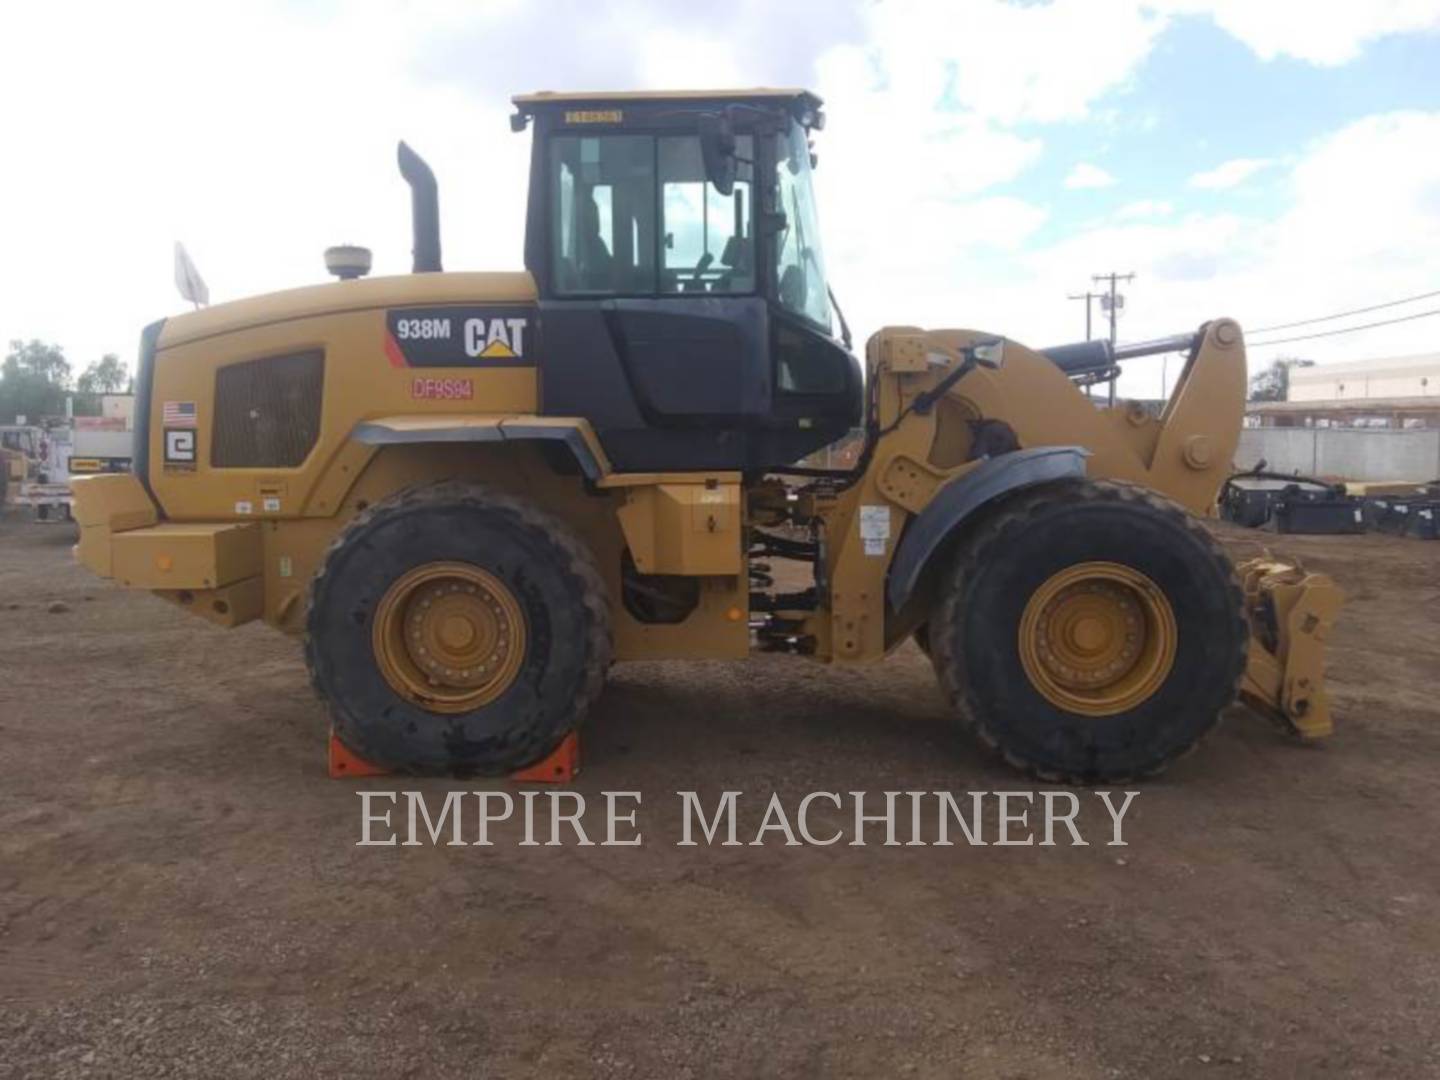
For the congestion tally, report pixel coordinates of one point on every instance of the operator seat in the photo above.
(595, 266)
(737, 258)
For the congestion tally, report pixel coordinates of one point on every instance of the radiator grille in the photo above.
(267, 412)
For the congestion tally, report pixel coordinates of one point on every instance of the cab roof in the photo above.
(531, 103)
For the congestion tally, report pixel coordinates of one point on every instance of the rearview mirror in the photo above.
(717, 149)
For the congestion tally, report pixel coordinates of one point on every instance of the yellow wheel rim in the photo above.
(1098, 638)
(449, 636)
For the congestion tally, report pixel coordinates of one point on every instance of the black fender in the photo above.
(395, 431)
(960, 498)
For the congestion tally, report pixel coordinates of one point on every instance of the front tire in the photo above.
(457, 629)
(1090, 632)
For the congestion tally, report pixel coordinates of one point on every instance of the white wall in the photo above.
(1347, 453)
(120, 407)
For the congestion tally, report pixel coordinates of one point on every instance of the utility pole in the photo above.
(1088, 297)
(1112, 302)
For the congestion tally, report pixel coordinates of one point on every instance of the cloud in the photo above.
(1229, 174)
(284, 120)
(937, 113)
(671, 58)
(1012, 63)
(1085, 175)
(923, 131)
(1145, 208)
(1368, 194)
(1361, 224)
(1320, 33)
(494, 50)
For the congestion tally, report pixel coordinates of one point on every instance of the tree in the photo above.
(1270, 384)
(1273, 384)
(105, 376)
(33, 381)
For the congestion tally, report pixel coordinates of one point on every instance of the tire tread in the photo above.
(578, 558)
(1022, 512)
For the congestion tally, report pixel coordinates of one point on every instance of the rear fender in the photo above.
(575, 435)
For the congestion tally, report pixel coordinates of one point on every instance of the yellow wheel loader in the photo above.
(470, 493)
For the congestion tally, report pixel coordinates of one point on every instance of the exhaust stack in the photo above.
(424, 210)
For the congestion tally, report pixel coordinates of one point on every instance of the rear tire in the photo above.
(506, 596)
(1090, 632)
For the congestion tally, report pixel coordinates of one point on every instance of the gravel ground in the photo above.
(181, 893)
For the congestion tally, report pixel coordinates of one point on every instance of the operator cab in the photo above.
(675, 245)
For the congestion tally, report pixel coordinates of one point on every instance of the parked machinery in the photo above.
(28, 475)
(469, 493)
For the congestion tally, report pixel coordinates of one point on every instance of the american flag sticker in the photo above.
(178, 414)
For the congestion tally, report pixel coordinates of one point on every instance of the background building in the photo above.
(1393, 392)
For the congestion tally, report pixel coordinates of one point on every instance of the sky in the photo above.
(1270, 160)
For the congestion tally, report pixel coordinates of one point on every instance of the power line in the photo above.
(1344, 330)
(1342, 314)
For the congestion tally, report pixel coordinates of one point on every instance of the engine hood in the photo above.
(368, 293)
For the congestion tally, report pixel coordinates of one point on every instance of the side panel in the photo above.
(360, 381)
(684, 528)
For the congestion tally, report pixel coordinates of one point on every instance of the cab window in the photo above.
(799, 265)
(635, 215)
(603, 208)
(707, 237)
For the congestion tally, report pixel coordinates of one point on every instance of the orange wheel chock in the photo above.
(560, 767)
(343, 763)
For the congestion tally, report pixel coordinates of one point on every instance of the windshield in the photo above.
(799, 268)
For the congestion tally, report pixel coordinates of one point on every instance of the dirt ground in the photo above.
(181, 894)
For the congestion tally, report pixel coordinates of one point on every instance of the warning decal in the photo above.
(874, 529)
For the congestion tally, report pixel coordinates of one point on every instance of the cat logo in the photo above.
(495, 339)
(459, 336)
